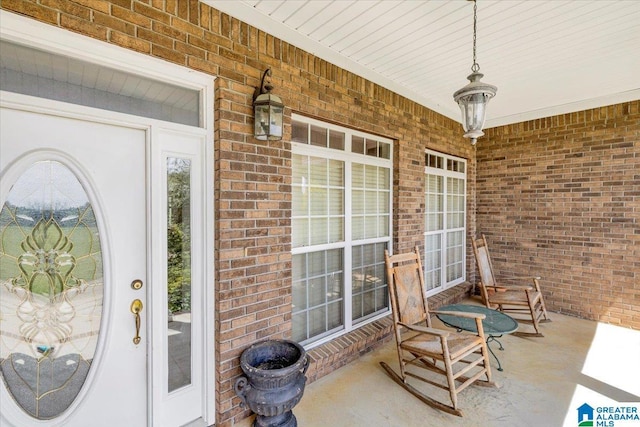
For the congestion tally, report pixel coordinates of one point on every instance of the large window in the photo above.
(445, 221)
(341, 225)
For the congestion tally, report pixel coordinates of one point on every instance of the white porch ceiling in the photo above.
(546, 57)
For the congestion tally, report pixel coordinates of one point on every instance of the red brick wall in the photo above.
(252, 178)
(560, 197)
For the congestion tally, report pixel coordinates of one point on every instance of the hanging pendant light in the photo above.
(474, 97)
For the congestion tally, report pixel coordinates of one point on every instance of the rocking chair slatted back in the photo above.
(485, 268)
(409, 299)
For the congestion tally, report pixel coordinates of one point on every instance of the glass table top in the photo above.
(495, 322)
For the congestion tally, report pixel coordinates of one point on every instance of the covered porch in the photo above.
(544, 382)
(555, 192)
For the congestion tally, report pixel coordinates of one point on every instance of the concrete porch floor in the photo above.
(543, 383)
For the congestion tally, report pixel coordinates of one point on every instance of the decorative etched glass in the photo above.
(51, 289)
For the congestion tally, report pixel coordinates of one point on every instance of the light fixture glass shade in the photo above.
(472, 100)
(268, 111)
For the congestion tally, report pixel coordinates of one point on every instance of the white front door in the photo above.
(73, 259)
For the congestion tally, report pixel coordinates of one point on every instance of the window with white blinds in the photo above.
(341, 225)
(445, 221)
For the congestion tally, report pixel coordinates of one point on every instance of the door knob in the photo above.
(136, 308)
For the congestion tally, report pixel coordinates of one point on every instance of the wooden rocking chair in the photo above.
(459, 357)
(525, 300)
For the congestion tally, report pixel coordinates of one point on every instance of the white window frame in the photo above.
(446, 172)
(348, 243)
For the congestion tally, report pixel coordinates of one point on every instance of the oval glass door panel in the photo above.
(51, 289)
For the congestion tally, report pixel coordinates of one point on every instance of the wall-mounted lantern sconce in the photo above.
(268, 111)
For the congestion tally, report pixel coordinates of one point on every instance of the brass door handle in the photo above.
(136, 308)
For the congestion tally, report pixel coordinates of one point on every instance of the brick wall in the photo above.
(252, 178)
(560, 197)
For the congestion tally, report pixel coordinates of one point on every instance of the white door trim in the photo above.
(20, 29)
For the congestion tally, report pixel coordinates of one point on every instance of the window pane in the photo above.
(336, 173)
(299, 296)
(317, 291)
(299, 330)
(300, 168)
(433, 261)
(357, 202)
(300, 132)
(300, 201)
(336, 140)
(383, 226)
(371, 176)
(371, 148)
(336, 201)
(357, 227)
(368, 280)
(316, 299)
(370, 227)
(334, 261)
(319, 229)
(316, 264)
(382, 296)
(179, 272)
(357, 144)
(299, 232)
(299, 267)
(334, 287)
(319, 201)
(455, 255)
(111, 89)
(368, 301)
(384, 183)
(336, 230)
(385, 150)
(357, 175)
(371, 202)
(383, 203)
(368, 254)
(356, 305)
(434, 215)
(318, 136)
(335, 318)
(318, 171)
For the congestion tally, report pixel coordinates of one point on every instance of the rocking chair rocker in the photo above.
(459, 357)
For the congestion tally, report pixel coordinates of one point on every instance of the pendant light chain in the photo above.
(475, 67)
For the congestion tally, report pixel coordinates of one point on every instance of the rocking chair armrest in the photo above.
(497, 287)
(425, 329)
(515, 288)
(522, 277)
(468, 315)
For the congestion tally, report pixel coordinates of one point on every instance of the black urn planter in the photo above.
(274, 381)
